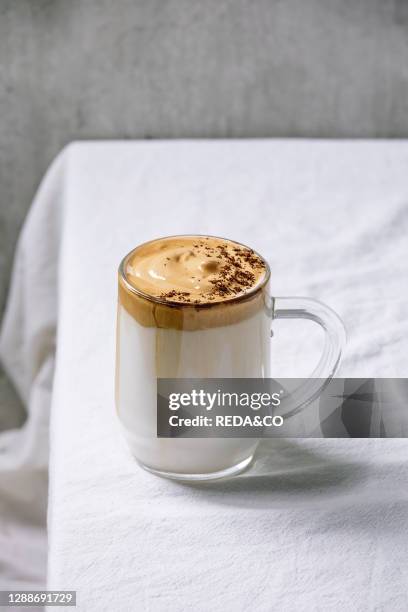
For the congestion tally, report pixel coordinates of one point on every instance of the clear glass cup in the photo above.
(230, 339)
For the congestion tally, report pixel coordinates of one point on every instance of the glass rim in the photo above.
(174, 304)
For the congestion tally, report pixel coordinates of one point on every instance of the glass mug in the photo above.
(226, 339)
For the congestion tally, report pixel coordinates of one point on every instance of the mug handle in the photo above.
(335, 341)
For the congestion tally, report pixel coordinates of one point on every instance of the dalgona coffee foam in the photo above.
(192, 282)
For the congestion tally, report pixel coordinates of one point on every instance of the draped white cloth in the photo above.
(27, 352)
(316, 524)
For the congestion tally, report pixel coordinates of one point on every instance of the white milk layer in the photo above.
(240, 350)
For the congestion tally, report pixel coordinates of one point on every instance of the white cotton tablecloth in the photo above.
(314, 524)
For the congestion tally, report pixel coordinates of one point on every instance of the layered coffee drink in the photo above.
(189, 307)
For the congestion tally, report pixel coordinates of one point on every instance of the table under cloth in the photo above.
(314, 524)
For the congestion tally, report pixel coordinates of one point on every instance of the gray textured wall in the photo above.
(72, 69)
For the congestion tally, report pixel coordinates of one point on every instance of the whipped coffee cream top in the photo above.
(192, 282)
(195, 269)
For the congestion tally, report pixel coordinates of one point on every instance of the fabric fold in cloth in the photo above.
(27, 353)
